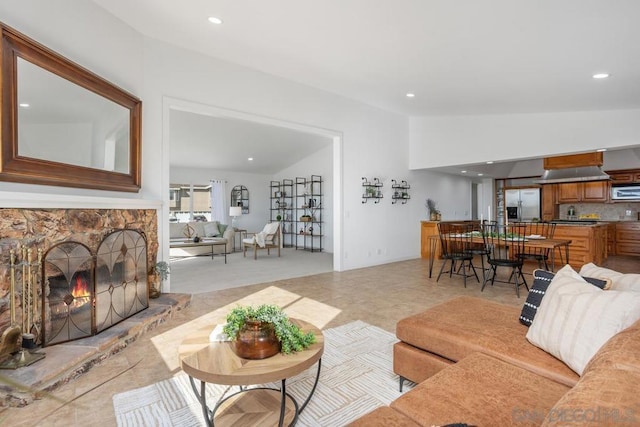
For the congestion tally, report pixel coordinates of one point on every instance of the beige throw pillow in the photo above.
(575, 319)
(619, 281)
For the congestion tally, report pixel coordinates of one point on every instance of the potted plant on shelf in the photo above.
(305, 218)
(434, 213)
(258, 333)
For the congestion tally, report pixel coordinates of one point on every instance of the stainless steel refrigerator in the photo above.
(523, 204)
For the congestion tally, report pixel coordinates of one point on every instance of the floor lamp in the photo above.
(234, 213)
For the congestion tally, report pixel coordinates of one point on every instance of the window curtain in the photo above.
(219, 201)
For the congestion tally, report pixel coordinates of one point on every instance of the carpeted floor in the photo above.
(199, 274)
(356, 377)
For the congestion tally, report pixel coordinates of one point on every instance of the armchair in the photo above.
(268, 238)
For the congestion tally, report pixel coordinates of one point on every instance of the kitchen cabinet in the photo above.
(573, 160)
(611, 239)
(428, 228)
(588, 243)
(569, 192)
(589, 192)
(595, 191)
(549, 205)
(629, 176)
(628, 238)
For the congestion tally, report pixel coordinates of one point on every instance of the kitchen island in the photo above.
(588, 242)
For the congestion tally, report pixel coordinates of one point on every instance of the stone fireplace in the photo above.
(96, 269)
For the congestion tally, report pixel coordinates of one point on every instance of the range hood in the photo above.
(573, 168)
(578, 174)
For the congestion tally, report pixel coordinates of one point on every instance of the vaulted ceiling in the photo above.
(457, 57)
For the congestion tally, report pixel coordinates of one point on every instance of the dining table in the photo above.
(529, 243)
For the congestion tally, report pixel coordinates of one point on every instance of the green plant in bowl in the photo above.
(290, 336)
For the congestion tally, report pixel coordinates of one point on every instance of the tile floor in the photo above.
(378, 295)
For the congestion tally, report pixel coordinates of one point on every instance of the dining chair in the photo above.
(455, 241)
(503, 244)
(537, 229)
(480, 248)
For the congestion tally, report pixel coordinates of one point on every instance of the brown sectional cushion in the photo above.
(603, 397)
(383, 417)
(483, 391)
(465, 325)
(415, 364)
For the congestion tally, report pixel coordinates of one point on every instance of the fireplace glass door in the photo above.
(68, 293)
(121, 278)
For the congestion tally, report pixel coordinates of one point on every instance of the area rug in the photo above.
(356, 377)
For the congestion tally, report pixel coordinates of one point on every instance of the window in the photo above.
(189, 203)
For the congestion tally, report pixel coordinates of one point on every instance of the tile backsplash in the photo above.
(606, 211)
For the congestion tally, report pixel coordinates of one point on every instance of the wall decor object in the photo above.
(240, 197)
(372, 190)
(93, 142)
(400, 191)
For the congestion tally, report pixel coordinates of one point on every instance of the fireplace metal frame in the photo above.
(104, 258)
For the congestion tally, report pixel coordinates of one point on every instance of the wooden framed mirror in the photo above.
(62, 124)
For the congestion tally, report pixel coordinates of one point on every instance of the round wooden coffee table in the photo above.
(216, 363)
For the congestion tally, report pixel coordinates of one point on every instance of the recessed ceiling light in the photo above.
(463, 171)
(490, 162)
(411, 95)
(601, 75)
(24, 105)
(215, 20)
(250, 159)
(600, 150)
(480, 174)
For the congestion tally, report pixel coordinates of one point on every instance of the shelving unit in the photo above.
(400, 191)
(282, 204)
(372, 190)
(308, 213)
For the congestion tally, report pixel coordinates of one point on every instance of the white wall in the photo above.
(374, 143)
(448, 140)
(257, 184)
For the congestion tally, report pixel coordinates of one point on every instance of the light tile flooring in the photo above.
(378, 295)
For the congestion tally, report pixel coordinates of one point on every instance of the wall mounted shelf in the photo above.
(372, 190)
(400, 191)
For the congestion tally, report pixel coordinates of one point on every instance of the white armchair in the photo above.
(268, 238)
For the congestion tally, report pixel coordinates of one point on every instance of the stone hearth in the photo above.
(63, 362)
(35, 230)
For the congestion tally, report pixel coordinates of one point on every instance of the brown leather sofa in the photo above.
(473, 365)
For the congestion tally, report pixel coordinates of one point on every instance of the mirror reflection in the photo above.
(62, 122)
